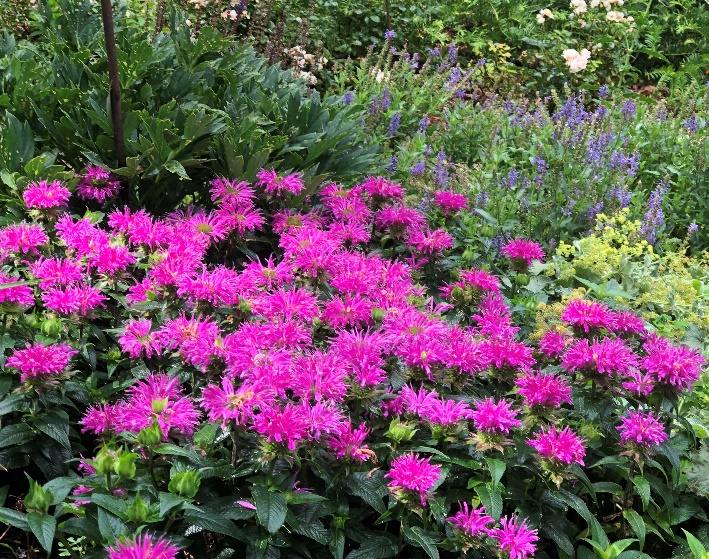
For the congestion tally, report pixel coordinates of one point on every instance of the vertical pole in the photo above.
(115, 84)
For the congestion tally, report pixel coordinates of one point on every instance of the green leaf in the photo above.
(580, 507)
(10, 403)
(370, 489)
(214, 523)
(55, 427)
(420, 538)
(15, 434)
(271, 508)
(168, 501)
(491, 497)
(43, 527)
(112, 504)
(638, 525)
(14, 518)
(642, 486)
(375, 548)
(497, 469)
(696, 547)
(176, 167)
(110, 526)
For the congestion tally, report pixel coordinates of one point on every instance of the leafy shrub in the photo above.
(319, 402)
(191, 108)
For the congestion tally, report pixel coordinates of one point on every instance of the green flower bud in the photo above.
(38, 499)
(522, 279)
(378, 314)
(125, 465)
(401, 431)
(103, 463)
(159, 405)
(51, 327)
(185, 484)
(150, 436)
(138, 511)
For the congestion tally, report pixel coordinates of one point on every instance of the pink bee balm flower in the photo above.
(610, 356)
(584, 314)
(22, 238)
(414, 474)
(544, 390)
(560, 447)
(158, 398)
(52, 271)
(286, 426)
(102, 418)
(553, 343)
(495, 418)
(97, 184)
(430, 242)
(380, 188)
(226, 402)
(349, 442)
(80, 299)
(450, 202)
(21, 295)
(143, 547)
(274, 185)
(523, 249)
(37, 361)
(677, 366)
(227, 189)
(42, 195)
(515, 538)
(471, 521)
(639, 383)
(137, 338)
(626, 322)
(640, 429)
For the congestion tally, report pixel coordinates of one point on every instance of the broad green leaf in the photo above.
(43, 527)
(168, 501)
(637, 524)
(497, 469)
(271, 508)
(375, 548)
(110, 525)
(15, 434)
(112, 504)
(371, 489)
(55, 427)
(14, 518)
(491, 497)
(214, 523)
(696, 547)
(421, 539)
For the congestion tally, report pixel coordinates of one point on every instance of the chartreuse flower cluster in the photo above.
(325, 353)
(669, 290)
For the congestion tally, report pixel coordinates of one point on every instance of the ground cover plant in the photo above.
(312, 399)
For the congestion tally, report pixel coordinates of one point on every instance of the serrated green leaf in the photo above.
(371, 489)
(497, 469)
(580, 507)
(43, 527)
(696, 546)
(214, 523)
(168, 501)
(15, 434)
(271, 508)
(642, 486)
(55, 427)
(110, 525)
(637, 524)
(421, 539)
(375, 548)
(14, 518)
